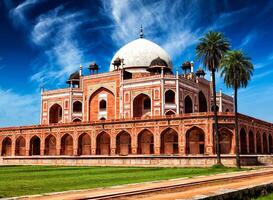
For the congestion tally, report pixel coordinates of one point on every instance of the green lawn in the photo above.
(26, 180)
(266, 197)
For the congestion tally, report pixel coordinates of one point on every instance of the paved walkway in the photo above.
(176, 194)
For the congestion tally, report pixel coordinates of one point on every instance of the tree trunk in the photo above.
(238, 162)
(216, 130)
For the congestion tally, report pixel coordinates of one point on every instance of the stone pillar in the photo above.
(93, 142)
(233, 143)
(113, 135)
(134, 144)
(156, 140)
(27, 144)
(42, 145)
(58, 144)
(181, 140)
(75, 143)
(13, 143)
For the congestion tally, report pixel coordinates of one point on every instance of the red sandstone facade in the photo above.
(135, 110)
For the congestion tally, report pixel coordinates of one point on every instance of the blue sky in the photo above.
(43, 41)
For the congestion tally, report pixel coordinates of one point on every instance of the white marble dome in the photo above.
(139, 54)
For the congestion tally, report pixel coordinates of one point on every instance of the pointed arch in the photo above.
(251, 143)
(67, 145)
(259, 143)
(50, 145)
(170, 97)
(103, 143)
(55, 113)
(169, 141)
(84, 144)
(20, 146)
(141, 105)
(188, 106)
(265, 144)
(203, 107)
(195, 141)
(243, 141)
(145, 140)
(170, 113)
(225, 140)
(95, 98)
(270, 143)
(77, 107)
(34, 146)
(6, 147)
(123, 143)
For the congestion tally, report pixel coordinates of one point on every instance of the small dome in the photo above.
(200, 72)
(159, 62)
(93, 66)
(74, 77)
(138, 55)
(186, 65)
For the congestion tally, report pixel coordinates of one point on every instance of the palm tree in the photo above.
(237, 70)
(211, 50)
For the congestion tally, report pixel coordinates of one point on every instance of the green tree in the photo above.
(237, 70)
(210, 51)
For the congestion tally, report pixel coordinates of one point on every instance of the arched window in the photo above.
(84, 144)
(102, 105)
(34, 146)
(77, 106)
(55, 114)
(169, 113)
(141, 105)
(67, 145)
(103, 144)
(243, 141)
(212, 108)
(188, 105)
(145, 141)
(76, 120)
(170, 97)
(50, 145)
(123, 143)
(6, 147)
(169, 142)
(195, 141)
(202, 102)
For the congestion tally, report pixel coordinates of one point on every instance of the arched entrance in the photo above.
(84, 144)
(169, 142)
(188, 105)
(225, 141)
(251, 142)
(202, 102)
(20, 146)
(270, 143)
(170, 97)
(6, 147)
(259, 143)
(243, 141)
(67, 145)
(141, 105)
(34, 146)
(55, 114)
(195, 141)
(145, 141)
(123, 143)
(102, 104)
(103, 144)
(265, 144)
(50, 145)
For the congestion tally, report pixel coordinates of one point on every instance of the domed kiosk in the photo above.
(138, 55)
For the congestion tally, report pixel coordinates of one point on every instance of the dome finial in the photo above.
(141, 35)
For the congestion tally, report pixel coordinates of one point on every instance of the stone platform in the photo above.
(140, 160)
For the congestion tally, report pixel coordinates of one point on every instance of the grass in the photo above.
(266, 197)
(29, 180)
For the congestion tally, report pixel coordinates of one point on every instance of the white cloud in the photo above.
(18, 109)
(55, 31)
